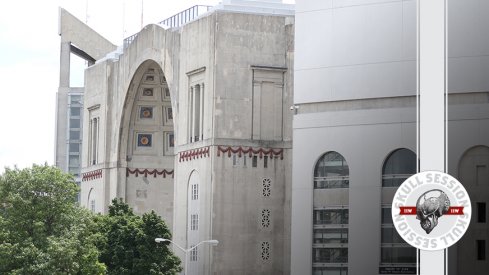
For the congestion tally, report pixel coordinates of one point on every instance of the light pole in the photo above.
(186, 251)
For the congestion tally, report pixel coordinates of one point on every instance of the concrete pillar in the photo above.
(64, 64)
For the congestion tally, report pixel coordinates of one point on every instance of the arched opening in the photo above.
(472, 249)
(331, 171)
(330, 215)
(399, 165)
(147, 142)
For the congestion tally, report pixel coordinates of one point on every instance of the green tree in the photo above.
(129, 245)
(42, 230)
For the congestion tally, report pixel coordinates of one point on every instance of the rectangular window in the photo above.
(481, 250)
(75, 123)
(193, 254)
(76, 99)
(74, 135)
(92, 206)
(195, 191)
(386, 217)
(255, 161)
(330, 235)
(403, 255)
(330, 255)
(75, 111)
(331, 216)
(194, 222)
(244, 161)
(93, 134)
(265, 162)
(481, 212)
(74, 147)
(74, 161)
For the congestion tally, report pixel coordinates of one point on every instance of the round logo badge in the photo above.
(431, 210)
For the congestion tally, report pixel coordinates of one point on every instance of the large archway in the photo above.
(473, 173)
(147, 143)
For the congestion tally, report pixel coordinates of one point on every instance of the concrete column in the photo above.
(431, 108)
(64, 64)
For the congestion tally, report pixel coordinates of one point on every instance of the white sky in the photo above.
(29, 64)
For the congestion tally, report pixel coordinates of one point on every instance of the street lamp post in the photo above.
(186, 251)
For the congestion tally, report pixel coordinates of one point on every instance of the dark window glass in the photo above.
(481, 250)
(74, 147)
(75, 111)
(331, 235)
(331, 171)
(75, 123)
(75, 135)
(386, 216)
(399, 166)
(330, 255)
(330, 270)
(331, 216)
(481, 212)
(398, 254)
(265, 162)
(76, 99)
(255, 161)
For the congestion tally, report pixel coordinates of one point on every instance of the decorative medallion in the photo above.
(145, 140)
(146, 112)
(148, 92)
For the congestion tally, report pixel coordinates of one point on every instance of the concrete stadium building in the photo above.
(191, 118)
(355, 133)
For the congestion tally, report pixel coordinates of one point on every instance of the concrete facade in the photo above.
(194, 123)
(355, 94)
(76, 38)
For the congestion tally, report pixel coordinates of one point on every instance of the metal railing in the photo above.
(176, 20)
(185, 16)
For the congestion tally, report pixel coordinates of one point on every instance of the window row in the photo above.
(332, 171)
(242, 161)
(330, 216)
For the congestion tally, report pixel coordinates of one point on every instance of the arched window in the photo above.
(398, 166)
(331, 172)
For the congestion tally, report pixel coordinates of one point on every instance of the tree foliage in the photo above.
(129, 246)
(42, 231)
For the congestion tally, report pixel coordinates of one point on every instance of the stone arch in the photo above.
(146, 143)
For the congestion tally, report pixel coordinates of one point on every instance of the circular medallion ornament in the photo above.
(146, 113)
(144, 141)
(431, 210)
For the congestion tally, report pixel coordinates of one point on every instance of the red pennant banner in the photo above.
(411, 210)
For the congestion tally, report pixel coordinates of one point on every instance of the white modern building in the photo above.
(355, 133)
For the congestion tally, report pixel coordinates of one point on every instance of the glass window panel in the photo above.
(74, 147)
(398, 254)
(330, 270)
(75, 111)
(74, 161)
(331, 164)
(76, 99)
(386, 216)
(74, 135)
(331, 235)
(401, 161)
(75, 123)
(330, 255)
(331, 216)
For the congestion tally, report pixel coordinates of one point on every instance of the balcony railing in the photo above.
(176, 20)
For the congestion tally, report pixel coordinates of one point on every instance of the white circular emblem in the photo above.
(431, 210)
